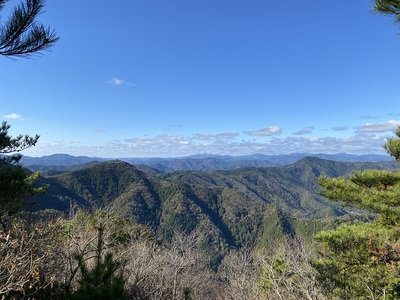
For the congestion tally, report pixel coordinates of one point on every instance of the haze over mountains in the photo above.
(201, 162)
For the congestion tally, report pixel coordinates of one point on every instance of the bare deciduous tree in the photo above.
(289, 275)
(241, 275)
(176, 272)
(28, 258)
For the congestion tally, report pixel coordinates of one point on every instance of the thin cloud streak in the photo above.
(265, 131)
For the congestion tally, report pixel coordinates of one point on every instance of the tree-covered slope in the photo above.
(293, 188)
(236, 208)
(221, 216)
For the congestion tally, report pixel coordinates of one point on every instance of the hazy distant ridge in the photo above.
(200, 162)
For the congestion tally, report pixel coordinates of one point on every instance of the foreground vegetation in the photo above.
(104, 256)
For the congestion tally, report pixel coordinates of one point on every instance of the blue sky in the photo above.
(166, 78)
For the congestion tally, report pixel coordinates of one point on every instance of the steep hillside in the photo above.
(221, 216)
(237, 208)
(293, 188)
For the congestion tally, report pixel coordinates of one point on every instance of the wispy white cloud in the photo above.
(13, 116)
(213, 137)
(390, 125)
(118, 82)
(265, 131)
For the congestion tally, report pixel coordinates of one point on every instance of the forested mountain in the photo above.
(236, 208)
(292, 188)
(227, 218)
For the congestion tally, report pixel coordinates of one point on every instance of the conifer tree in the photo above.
(99, 275)
(21, 35)
(16, 183)
(388, 7)
(104, 280)
(362, 260)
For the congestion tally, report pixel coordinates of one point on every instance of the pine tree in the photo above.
(388, 7)
(16, 183)
(21, 35)
(103, 280)
(362, 260)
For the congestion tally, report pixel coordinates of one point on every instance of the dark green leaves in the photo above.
(9, 144)
(21, 35)
(16, 183)
(389, 7)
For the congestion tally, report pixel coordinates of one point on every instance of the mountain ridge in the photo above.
(230, 208)
(200, 162)
(239, 208)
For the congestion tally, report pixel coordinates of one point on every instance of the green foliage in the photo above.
(272, 230)
(290, 188)
(388, 7)
(360, 261)
(9, 144)
(377, 191)
(103, 281)
(228, 209)
(100, 275)
(16, 183)
(21, 35)
(225, 216)
(392, 145)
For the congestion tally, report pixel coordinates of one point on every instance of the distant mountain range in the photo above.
(241, 207)
(201, 162)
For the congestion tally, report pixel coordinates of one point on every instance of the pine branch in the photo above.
(388, 7)
(21, 36)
